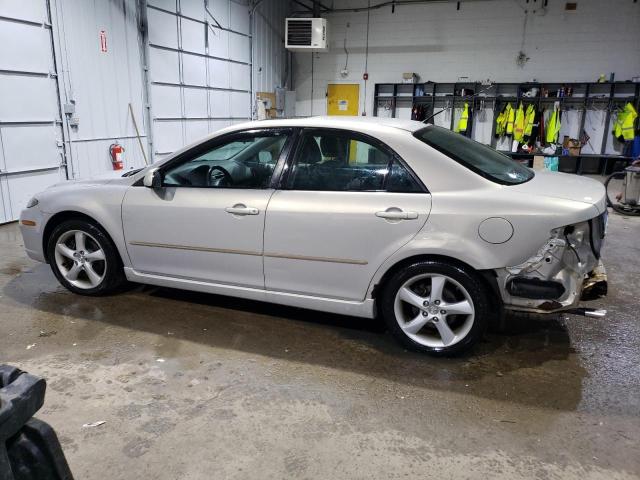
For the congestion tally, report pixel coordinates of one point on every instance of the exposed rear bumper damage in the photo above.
(595, 286)
(564, 271)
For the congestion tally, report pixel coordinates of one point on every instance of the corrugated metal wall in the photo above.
(100, 84)
(30, 126)
(199, 61)
(270, 66)
(200, 64)
(198, 54)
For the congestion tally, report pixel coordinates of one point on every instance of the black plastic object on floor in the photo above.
(29, 448)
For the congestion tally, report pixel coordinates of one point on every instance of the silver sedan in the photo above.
(437, 234)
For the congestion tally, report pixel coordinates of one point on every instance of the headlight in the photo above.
(32, 203)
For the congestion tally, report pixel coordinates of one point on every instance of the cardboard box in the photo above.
(574, 152)
(538, 162)
(574, 146)
(409, 77)
(571, 146)
(270, 97)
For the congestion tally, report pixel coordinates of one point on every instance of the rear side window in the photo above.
(477, 157)
(337, 161)
(400, 180)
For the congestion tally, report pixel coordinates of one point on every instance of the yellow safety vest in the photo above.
(530, 117)
(518, 126)
(510, 119)
(553, 127)
(623, 127)
(504, 121)
(464, 119)
(501, 124)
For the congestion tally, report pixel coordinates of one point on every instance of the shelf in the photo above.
(506, 98)
(584, 155)
(604, 166)
(623, 99)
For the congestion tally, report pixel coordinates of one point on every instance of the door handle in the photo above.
(241, 209)
(397, 215)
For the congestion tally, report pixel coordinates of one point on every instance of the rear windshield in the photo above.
(475, 156)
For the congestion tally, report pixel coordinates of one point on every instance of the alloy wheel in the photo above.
(80, 259)
(434, 310)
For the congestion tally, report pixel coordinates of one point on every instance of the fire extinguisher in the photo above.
(116, 152)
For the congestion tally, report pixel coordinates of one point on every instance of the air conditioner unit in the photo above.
(306, 34)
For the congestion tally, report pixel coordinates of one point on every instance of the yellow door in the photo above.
(343, 99)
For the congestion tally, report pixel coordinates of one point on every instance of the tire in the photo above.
(94, 269)
(426, 323)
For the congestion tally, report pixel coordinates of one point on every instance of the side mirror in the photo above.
(152, 179)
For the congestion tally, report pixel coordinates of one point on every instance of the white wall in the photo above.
(479, 41)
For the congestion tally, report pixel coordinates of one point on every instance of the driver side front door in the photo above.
(206, 222)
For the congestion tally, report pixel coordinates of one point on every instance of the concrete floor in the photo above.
(197, 386)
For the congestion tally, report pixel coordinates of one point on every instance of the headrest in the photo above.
(377, 157)
(330, 147)
(310, 153)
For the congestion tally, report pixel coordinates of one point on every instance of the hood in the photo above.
(102, 179)
(565, 186)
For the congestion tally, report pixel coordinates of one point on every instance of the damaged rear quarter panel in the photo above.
(566, 259)
(452, 227)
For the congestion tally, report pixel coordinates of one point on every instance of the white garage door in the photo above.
(200, 71)
(30, 128)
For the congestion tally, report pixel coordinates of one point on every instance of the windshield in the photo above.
(475, 156)
(226, 152)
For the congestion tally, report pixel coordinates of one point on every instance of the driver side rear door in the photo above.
(206, 222)
(346, 204)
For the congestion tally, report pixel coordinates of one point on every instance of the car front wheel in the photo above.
(435, 307)
(84, 259)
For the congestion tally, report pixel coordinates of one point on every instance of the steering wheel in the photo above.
(219, 177)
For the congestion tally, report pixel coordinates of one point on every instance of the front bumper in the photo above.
(32, 223)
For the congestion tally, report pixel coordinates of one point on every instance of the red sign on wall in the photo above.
(103, 41)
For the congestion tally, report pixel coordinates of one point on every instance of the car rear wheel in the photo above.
(435, 307)
(84, 259)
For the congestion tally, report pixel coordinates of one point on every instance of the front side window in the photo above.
(245, 161)
(475, 156)
(337, 161)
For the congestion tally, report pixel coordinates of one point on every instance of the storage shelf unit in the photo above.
(434, 97)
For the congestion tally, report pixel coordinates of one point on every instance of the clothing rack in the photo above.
(585, 96)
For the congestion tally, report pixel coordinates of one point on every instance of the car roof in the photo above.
(355, 123)
(367, 125)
